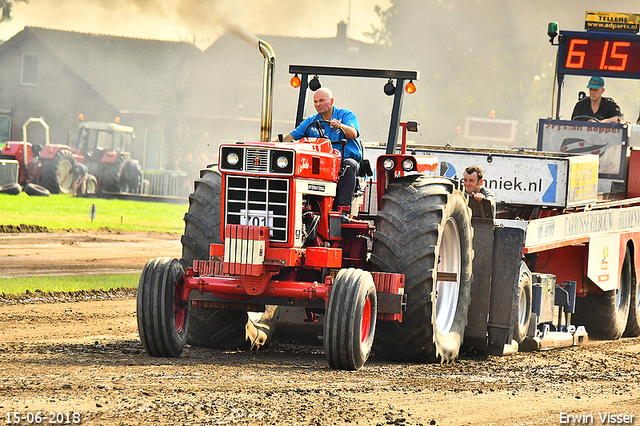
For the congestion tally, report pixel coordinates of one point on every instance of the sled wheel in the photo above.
(523, 314)
(37, 190)
(422, 229)
(350, 319)
(604, 315)
(633, 321)
(163, 318)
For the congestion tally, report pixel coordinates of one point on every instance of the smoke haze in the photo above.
(202, 20)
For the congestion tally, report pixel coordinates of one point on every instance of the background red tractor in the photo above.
(44, 165)
(106, 150)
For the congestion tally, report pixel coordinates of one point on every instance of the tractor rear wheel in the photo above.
(350, 319)
(217, 328)
(605, 314)
(112, 179)
(523, 308)
(56, 172)
(424, 228)
(163, 318)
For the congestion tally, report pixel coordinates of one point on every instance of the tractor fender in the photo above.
(50, 151)
(110, 157)
(14, 149)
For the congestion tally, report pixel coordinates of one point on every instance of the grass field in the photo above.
(17, 286)
(64, 211)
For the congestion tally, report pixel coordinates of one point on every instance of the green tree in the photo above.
(6, 6)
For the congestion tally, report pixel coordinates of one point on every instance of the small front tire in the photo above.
(163, 317)
(350, 319)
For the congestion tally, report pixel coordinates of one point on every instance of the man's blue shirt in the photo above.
(352, 149)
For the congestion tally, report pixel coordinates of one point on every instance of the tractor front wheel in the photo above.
(163, 317)
(350, 319)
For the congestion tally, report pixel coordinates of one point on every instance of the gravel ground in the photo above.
(65, 354)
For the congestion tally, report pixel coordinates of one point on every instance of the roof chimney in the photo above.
(342, 31)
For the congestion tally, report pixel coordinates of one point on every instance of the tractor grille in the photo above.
(257, 160)
(8, 172)
(259, 202)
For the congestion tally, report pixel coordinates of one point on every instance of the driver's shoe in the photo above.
(345, 213)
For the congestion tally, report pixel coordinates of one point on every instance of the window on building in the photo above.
(29, 70)
(5, 128)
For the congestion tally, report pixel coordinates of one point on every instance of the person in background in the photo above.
(474, 187)
(79, 172)
(595, 106)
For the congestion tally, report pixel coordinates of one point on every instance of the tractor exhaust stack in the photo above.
(266, 116)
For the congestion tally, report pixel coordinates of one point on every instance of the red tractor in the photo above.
(45, 165)
(106, 150)
(260, 232)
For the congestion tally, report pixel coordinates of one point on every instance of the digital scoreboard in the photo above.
(603, 54)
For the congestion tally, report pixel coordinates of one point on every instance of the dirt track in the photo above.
(83, 355)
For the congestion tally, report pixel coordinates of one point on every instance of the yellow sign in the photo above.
(611, 21)
(583, 179)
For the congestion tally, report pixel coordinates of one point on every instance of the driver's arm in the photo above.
(348, 130)
(285, 138)
(615, 119)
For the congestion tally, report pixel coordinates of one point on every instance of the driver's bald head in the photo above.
(323, 93)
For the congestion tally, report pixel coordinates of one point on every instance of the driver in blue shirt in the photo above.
(340, 120)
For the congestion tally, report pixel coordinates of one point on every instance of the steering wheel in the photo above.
(317, 124)
(587, 117)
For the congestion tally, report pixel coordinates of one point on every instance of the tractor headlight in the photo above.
(233, 158)
(282, 162)
(388, 164)
(408, 164)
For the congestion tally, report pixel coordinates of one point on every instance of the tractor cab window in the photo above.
(122, 141)
(86, 139)
(91, 139)
(105, 140)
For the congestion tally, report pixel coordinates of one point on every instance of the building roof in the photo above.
(131, 74)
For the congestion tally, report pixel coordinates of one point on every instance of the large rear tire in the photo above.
(423, 227)
(217, 328)
(56, 172)
(163, 319)
(523, 309)
(350, 319)
(605, 314)
(112, 179)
